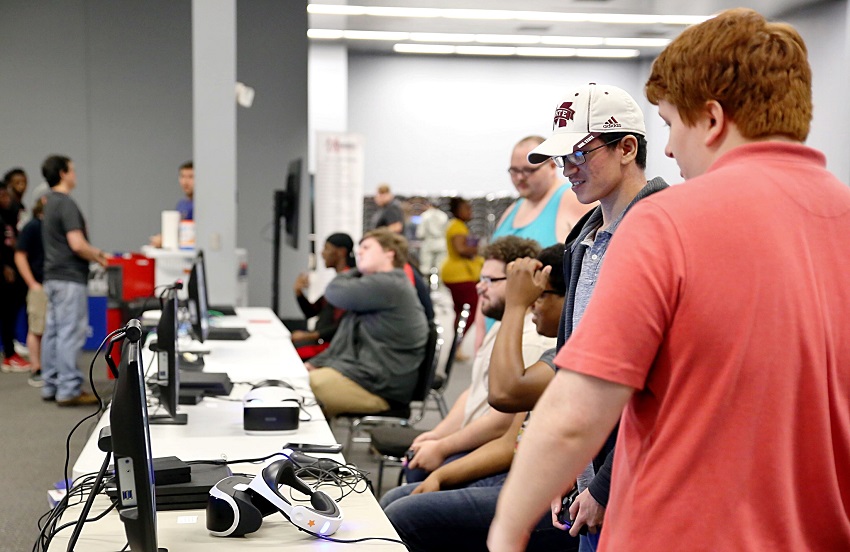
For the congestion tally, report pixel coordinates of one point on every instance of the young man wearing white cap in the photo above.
(721, 348)
(599, 141)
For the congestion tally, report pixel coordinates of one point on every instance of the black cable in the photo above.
(47, 522)
(99, 403)
(89, 501)
(352, 541)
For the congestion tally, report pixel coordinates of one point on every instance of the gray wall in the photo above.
(109, 83)
(271, 57)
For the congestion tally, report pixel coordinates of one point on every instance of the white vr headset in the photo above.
(237, 504)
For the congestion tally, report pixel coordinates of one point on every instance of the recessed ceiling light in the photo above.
(480, 14)
(424, 49)
(375, 35)
(638, 42)
(606, 53)
(507, 39)
(525, 51)
(442, 37)
(546, 52)
(459, 38)
(486, 50)
(572, 40)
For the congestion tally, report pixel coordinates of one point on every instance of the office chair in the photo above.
(441, 381)
(402, 415)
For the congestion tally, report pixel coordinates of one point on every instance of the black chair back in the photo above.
(428, 368)
(460, 331)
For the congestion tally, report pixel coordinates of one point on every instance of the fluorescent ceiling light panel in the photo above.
(546, 52)
(609, 53)
(375, 35)
(459, 38)
(572, 40)
(328, 34)
(485, 50)
(442, 37)
(511, 51)
(638, 42)
(453, 13)
(424, 49)
(507, 39)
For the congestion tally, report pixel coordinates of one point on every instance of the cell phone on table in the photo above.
(335, 448)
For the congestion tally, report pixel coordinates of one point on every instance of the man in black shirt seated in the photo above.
(338, 254)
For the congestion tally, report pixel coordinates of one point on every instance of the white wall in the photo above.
(327, 82)
(435, 124)
(826, 30)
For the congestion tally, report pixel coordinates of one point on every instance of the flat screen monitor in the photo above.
(198, 300)
(287, 203)
(131, 447)
(168, 365)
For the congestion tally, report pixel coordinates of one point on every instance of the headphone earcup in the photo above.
(250, 518)
(323, 504)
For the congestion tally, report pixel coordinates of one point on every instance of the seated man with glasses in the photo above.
(471, 422)
(545, 211)
(452, 508)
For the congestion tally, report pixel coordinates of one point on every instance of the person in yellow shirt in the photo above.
(462, 268)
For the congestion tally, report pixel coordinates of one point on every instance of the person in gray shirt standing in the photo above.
(67, 253)
(374, 357)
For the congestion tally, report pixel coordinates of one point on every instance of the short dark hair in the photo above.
(344, 241)
(640, 160)
(511, 248)
(455, 203)
(187, 165)
(7, 178)
(52, 168)
(554, 256)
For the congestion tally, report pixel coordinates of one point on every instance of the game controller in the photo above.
(564, 514)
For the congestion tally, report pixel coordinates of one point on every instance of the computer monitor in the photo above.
(287, 206)
(168, 365)
(289, 203)
(198, 301)
(131, 447)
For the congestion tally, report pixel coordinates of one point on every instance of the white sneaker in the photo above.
(22, 349)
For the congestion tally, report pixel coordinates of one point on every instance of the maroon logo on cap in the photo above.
(563, 114)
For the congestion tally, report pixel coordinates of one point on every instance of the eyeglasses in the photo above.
(578, 157)
(514, 172)
(487, 280)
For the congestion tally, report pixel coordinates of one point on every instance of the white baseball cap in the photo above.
(584, 114)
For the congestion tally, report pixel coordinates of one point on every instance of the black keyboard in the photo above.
(228, 334)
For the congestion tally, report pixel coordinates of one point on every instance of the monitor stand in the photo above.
(180, 418)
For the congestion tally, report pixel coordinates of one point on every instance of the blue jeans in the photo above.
(459, 519)
(588, 543)
(64, 336)
(418, 475)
